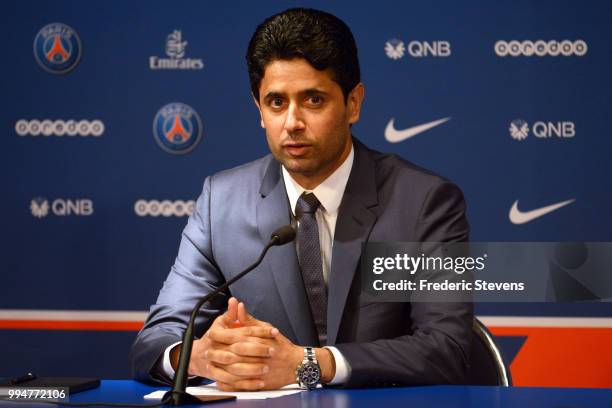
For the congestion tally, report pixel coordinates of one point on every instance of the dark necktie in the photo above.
(309, 257)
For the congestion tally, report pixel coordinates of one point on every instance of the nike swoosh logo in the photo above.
(519, 217)
(395, 136)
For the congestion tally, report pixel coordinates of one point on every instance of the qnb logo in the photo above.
(57, 48)
(40, 207)
(177, 128)
(175, 50)
(396, 49)
(165, 208)
(519, 130)
(541, 48)
(59, 127)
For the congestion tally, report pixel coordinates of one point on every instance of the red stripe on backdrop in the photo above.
(550, 357)
(561, 357)
(69, 325)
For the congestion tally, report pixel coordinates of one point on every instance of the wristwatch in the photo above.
(308, 374)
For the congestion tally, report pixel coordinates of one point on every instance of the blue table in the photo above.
(410, 397)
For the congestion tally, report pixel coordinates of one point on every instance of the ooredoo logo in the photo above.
(40, 207)
(48, 127)
(177, 128)
(57, 48)
(541, 48)
(165, 208)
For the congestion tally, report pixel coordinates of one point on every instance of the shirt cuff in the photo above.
(166, 367)
(343, 369)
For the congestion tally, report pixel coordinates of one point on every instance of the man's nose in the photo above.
(294, 121)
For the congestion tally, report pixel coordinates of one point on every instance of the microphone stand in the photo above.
(178, 395)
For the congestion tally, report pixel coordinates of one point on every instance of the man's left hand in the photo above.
(279, 368)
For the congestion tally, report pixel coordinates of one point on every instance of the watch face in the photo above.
(309, 373)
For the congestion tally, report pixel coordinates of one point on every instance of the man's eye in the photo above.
(277, 102)
(316, 100)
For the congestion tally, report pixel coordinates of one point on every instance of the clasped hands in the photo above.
(242, 353)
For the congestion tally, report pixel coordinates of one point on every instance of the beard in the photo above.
(317, 159)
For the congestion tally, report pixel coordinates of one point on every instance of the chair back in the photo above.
(487, 367)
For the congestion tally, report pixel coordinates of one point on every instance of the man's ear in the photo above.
(354, 101)
(259, 109)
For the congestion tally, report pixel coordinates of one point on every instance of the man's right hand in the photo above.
(240, 347)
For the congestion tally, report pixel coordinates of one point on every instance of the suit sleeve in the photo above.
(437, 349)
(193, 274)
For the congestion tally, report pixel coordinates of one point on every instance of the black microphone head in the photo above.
(283, 235)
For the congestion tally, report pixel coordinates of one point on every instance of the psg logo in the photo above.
(177, 128)
(57, 48)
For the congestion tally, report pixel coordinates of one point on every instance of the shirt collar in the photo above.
(329, 192)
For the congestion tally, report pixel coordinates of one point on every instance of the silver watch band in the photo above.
(309, 366)
(310, 355)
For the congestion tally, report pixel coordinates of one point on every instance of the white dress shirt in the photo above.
(329, 193)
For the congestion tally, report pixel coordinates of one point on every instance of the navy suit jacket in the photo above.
(386, 199)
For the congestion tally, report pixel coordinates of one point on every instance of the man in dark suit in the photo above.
(305, 81)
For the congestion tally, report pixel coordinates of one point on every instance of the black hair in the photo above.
(320, 38)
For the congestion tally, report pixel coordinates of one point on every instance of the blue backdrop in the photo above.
(524, 87)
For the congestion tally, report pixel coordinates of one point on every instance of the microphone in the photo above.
(178, 395)
(283, 235)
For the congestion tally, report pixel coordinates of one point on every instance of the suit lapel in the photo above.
(273, 212)
(355, 221)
